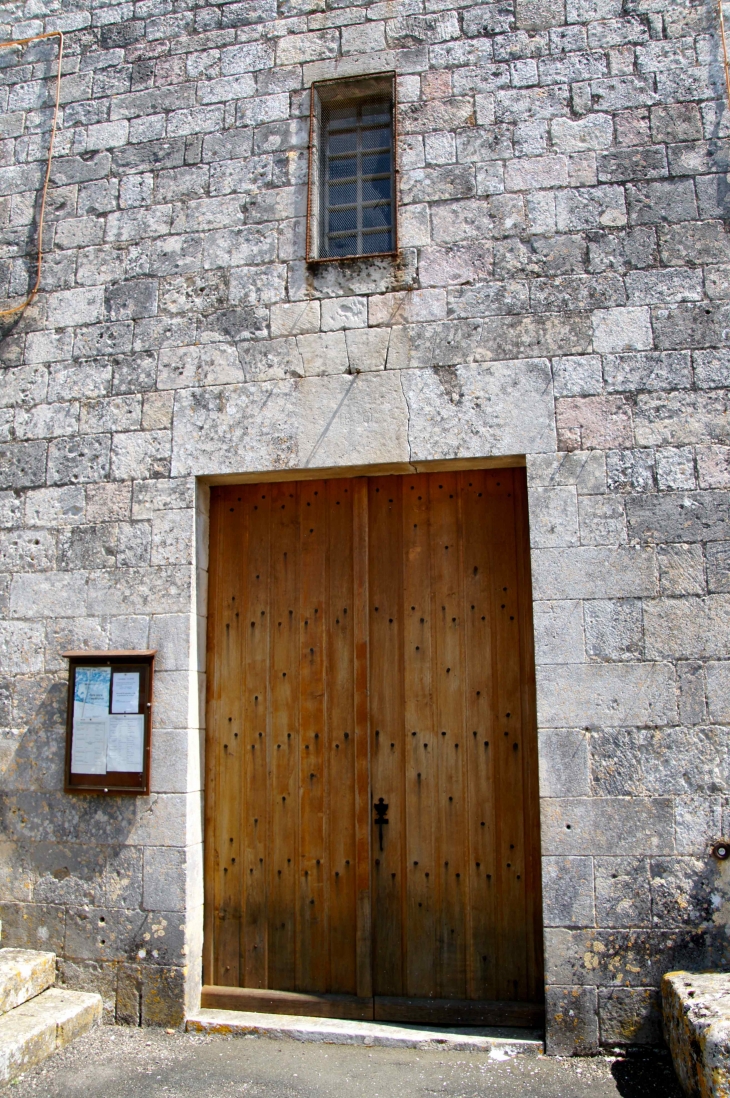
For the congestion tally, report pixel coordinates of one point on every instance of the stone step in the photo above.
(24, 973)
(497, 1043)
(34, 1030)
(696, 1010)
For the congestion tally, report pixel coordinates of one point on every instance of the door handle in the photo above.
(381, 812)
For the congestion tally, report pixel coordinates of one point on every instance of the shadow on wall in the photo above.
(72, 876)
(646, 1074)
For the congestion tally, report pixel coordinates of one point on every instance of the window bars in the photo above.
(352, 169)
(357, 179)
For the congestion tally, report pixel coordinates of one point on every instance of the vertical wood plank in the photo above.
(479, 735)
(448, 678)
(340, 794)
(284, 742)
(255, 706)
(228, 846)
(510, 840)
(212, 736)
(361, 600)
(531, 794)
(312, 951)
(420, 776)
(386, 730)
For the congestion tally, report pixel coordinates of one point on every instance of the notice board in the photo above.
(109, 722)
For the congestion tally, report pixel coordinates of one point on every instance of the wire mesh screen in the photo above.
(357, 178)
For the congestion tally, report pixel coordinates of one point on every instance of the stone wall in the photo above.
(562, 292)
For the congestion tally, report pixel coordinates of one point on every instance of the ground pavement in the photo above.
(113, 1062)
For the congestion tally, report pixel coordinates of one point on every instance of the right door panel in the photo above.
(455, 883)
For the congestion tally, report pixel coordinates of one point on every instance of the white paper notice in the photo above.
(89, 745)
(91, 693)
(125, 692)
(125, 746)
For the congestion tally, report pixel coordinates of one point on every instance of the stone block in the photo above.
(713, 466)
(130, 590)
(675, 468)
(622, 329)
(295, 319)
(691, 325)
(629, 958)
(683, 517)
(614, 630)
(698, 820)
(653, 370)
(553, 516)
(454, 222)
(712, 369)
(590, 208)
(140, 454)
(558, 632)
(323, 353)
(83, 547)
(22, 464)
(24, 386)
(696, 1015)
(604, 695)
(630, 1016)
(681, 419)
(681, 570)
(567, 888)
(367, 349)
(151, 995)
(595, 131)
(663, 287)
(524, 336)
(718, 692)
(53, 594)
(607, 826)
(79, 460)
(564, 769)
(620, 165)
(586, 572)
(164, 879)
(339, 313)
(571, 1017)
(689, 628)
(601, 422)
(602, 520)
(645, 763)
(318, 421)
(477, 410)
(685, 891)
(578, 375)
(623, 897)
(718, 566)
(586, 469)
(33, 926)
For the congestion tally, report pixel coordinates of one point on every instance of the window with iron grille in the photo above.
(352, 200)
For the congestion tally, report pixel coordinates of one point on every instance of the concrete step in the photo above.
(497, 1043)
(24, 973)
(34, 1030)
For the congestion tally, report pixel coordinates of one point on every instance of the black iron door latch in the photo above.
(381, 811)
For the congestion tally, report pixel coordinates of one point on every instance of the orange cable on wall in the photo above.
(18, 44)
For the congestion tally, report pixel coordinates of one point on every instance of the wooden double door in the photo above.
(372, 845)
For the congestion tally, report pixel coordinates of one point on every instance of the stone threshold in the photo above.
(498, 1043)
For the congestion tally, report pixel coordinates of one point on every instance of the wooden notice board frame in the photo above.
(117, 781)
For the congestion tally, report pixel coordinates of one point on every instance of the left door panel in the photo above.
(284, 811)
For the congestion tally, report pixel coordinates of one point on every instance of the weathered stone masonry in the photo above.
(563, 291)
